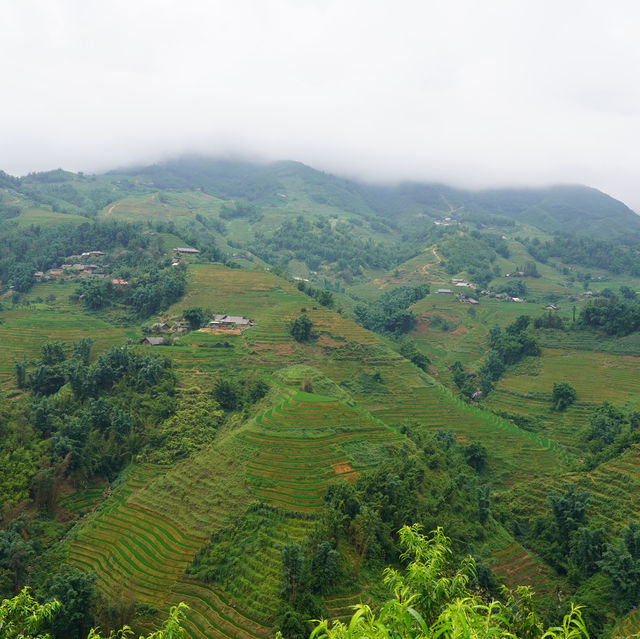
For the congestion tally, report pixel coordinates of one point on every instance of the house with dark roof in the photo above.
(229, 320)
(152, 341)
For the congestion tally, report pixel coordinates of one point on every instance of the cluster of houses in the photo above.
(218, 321)
(445, 221)
(75, 266)
(72, 267)
(462, 297)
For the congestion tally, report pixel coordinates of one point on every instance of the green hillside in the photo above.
(218, 464)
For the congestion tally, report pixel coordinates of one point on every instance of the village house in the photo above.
(160, 326)
(444, 291)
(152, 341)
(186, 251)
(230, 320)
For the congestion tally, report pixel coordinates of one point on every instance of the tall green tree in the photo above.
(75, 590)
(292, 559)
(195, 316)
(621, 561)
(301, 328)
(562, 396)
(569, 510)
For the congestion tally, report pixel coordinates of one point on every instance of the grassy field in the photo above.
(24, 330)
(46, 217)
(596, 376)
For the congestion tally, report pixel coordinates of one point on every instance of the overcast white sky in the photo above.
(474, 93)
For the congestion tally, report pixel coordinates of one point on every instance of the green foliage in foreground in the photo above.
(24, 618)
(433, 599)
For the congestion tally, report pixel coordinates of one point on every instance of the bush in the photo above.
(563, 396)
(301, 329)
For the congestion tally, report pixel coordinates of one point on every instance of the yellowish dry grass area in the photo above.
(595, 376)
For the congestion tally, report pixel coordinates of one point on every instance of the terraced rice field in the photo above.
(237, 292)
(522, 454)
(270, 301)
(178, 206)
(285, 457)
(137, 549)
(629, 626)
(256, 579)
(134, 551)
(23, 332)
(614, 488)
(595, 376)
(203, 493)
(83, 500)
(515, 566)
(587, 341)
(212, 613)
(44, 217)
(300, 446)
(561, 427)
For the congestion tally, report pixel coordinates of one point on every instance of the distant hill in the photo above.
(568, 208)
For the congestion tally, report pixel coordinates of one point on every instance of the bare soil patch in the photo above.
(282, 348)
(330, 342)
(343, 468)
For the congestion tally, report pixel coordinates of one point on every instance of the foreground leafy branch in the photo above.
(22, 617)
(433, 599)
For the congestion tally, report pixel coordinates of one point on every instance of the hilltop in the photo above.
(563, 208)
